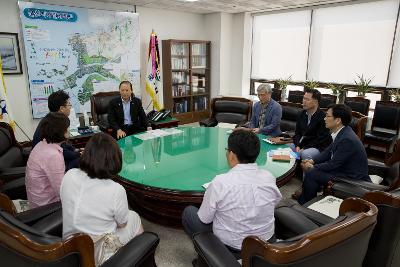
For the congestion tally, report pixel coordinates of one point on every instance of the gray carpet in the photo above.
(176, 249)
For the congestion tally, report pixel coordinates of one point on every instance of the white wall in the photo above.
(167, 24)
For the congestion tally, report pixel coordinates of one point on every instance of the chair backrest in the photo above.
(22, 245)
(231, 109)
(326, 100)
(290, 114)
(386, 115)
(276, 94)
(384, 245)
(359, 124)
(359, 104)
(343, 242)
(99, 106)
(296, 96)
(10, 151)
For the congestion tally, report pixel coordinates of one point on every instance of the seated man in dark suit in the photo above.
(60, 102)
(311, 136)
(345, 157)
(125, 114)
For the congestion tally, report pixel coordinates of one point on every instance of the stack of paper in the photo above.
(328, 205)
(157, 133)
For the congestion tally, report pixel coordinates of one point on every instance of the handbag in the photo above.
(105, 246)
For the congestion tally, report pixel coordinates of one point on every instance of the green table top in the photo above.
(187, 160)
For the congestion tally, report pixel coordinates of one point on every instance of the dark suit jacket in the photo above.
(315, 134)
(116, 114)
(345, 157)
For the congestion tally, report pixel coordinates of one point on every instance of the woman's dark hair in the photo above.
(245, 145)
(102, 157)
(57, 100)
(53, 127)
(341, 111)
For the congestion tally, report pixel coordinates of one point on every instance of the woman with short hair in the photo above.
(96, 205)
(45, 168)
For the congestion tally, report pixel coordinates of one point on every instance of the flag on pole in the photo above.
(153, 71)
(5, 112)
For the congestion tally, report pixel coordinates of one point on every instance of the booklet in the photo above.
(329, 206)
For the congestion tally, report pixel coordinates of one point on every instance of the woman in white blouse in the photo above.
(92, 202)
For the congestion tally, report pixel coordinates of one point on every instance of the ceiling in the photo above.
(235, 6)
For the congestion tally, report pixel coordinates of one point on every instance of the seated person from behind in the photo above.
(267, 113)
(45, 168)
(92, 202)
(240, 202)
(125, 114)
(345, 157)
(60, 102)
(311, 136)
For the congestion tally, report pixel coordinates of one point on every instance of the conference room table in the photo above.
(163, 175)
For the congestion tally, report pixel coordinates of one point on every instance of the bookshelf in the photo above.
(186, 79)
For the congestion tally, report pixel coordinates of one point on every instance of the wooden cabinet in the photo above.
(186, 76)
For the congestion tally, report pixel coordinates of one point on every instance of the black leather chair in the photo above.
(342, 242)
(383, 248)
(13, 157)
(276, 94)
(99, 109)
(387, 117)
(290, 114)
(359, 124)
(234, 110)
(296, 96)
(327, 100)
(23, 245)
(359, 104)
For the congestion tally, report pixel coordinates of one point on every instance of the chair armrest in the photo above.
(137, 252)
(362, 184)
(15, 189)
(212, 251)
(290, 222)
(32, 216)
(210, 122)
(8, 174)
(51, 225)
(378, 168)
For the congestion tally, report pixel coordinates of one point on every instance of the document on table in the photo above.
(328, 205)
(157, 133)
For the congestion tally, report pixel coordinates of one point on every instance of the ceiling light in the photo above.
(191, 0)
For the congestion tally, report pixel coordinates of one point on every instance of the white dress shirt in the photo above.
(91, 206)
(240, 203)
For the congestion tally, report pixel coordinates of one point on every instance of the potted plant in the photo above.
(282, 85)
(395, 94)
(362, 85)
(311, 84)
(339, 91)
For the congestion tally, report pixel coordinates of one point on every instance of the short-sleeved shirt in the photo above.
(91, 206)
(44, 172)
(240, 203)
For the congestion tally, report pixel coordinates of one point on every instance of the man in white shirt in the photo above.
(240, 202)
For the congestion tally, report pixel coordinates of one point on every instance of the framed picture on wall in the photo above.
(10, 53)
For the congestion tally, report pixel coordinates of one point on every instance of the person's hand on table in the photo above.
(256, 130)
(120, 134)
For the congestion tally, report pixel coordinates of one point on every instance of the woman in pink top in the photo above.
(45, 168)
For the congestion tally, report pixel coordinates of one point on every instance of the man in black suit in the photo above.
(125, 114)
(345, 157)
(311, 136)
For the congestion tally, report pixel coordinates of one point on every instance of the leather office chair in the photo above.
(276, 94)
(234, 110)
(386, 116)
(23, 245)
(99, 108)
(359, 124)
(296, 96)
(343, 242)
(383, 248)
(13, 157)
(359, 104)
(326, 100)
(290, 114)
